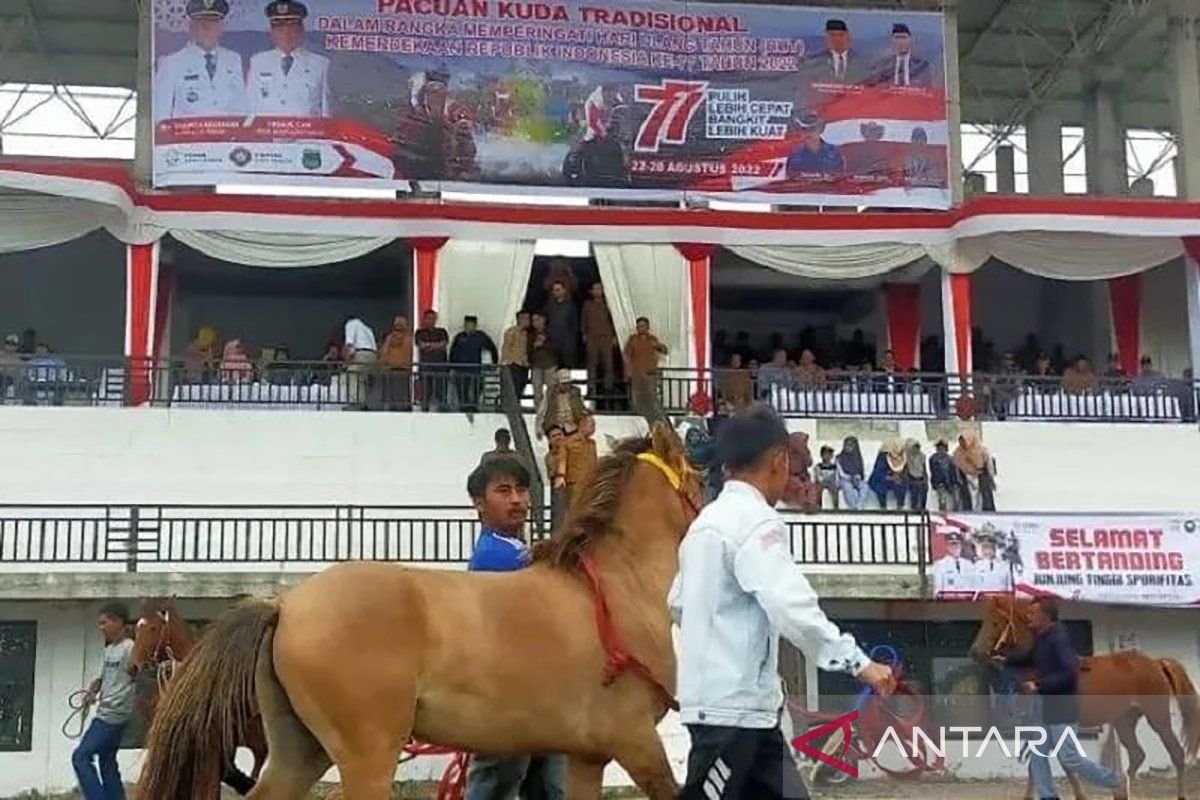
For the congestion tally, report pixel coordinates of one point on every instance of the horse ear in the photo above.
(666, 442)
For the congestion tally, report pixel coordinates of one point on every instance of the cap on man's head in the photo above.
(471, 318)
(900, 28)
(835, 25)
(286, 11)
(953, 537)
(207, 9)
(749, 435)
(808, 121)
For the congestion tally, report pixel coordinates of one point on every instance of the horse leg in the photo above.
(1159, 717)
(643, 757)
(585, 779)
(1126, 728)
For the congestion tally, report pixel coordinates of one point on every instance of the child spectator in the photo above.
(943, 475)
(826, 475)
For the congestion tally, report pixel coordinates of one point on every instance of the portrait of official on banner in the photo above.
(652, 100)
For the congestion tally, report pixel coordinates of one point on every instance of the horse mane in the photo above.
(590, 516)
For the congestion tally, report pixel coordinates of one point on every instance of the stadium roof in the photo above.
(1015, 54)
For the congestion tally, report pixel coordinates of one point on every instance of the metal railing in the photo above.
(142, 537)
(474, 387)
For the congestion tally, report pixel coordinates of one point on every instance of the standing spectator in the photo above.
(503, 448)
(29, 340)
(563, 406)
(579, 450)
(977, 473)
(396, 360)
(200, 356)
(916, 477)
(734, 385)
(826, 475)
(562, 324)
(331, 361)
(801, 492)
(1079, 379)
(235, 364)
(466, 359)
(543, 363)
(11, 369)
(114, 694)
(600, 342)
(514, 353)
(852, 475)
(556, 470)
(1149, 380)
(809, 372)
(887, 381)
(943, 475)
(642, 353)
(361, 353)
(432, 352)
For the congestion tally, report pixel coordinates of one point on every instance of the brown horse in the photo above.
(163, 640)
(571, 655)
(1116, 688)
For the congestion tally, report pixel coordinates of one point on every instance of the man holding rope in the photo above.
(737, 591)
(114, 695)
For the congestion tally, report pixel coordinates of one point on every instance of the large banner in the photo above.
(780, 104)
(1133, 560)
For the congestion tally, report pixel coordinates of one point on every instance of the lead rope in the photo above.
(80, 709)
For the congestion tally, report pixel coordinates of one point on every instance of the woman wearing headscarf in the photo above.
(851, 474)
(396, 363)
(975, 465)
(200, 356)
(802, 492)
(916, 477)
(809, 372)
(235, 365)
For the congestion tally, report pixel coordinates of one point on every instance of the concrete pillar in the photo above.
(1043, 145)
(1105, 134)
(953, 99)
(1183, 88)
(1006, 169)
(143, 130)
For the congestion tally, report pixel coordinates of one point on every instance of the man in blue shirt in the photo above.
(814, 156)
(499, 490)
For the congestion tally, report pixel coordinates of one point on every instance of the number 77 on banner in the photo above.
(675, 103)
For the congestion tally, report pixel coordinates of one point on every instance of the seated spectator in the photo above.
(852, 475)
(1005, 387)
(774, 373)
(808, 372)
(1149, 380)
(1114, 373)
(801, 492)
(1079, 379)
(825, 474)
(10, 359)
(943, 475)
(235, 364)
(47, 374)
(887, 379)
(916, 477)
(888, 478)
(734, 385)
(200, 356)
(977, 471)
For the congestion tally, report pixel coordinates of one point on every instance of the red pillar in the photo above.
(956, 322)
(1125, 300)
(902, 303)
(699, 257)
(141, 291)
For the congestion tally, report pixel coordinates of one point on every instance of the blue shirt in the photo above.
(495, 552)
(825, 160)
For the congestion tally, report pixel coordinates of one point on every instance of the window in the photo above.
(18, 647)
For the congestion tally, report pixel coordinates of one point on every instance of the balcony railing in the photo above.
(149, 538)
(472, 387)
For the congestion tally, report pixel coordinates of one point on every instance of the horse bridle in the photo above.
(162, 656)
(676, 479)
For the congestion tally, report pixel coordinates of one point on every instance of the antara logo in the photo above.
(803, 744)
(675, 103)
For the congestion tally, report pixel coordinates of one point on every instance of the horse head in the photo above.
(1005, 626)
(161, 635)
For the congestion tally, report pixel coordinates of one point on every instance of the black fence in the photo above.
(365, 386)
(160, 537)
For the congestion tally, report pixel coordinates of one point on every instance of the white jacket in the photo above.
(737, 591)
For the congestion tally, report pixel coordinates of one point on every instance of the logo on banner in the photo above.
(240, 156)
(310, 158)
(674, 105)
(172, 158)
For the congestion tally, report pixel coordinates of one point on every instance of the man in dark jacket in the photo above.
(466, 358)
(1056, 680)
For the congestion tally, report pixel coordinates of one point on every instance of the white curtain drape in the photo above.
(832, 263)
(31, 221)
(1067, 256)
(648, 280)
(262, 249)
(485, 279)
(1164, 318)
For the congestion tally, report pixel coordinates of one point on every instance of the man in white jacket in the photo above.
(737, 591)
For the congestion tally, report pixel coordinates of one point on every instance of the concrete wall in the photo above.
(86, 455)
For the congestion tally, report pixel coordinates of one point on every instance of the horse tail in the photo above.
(1189, 703)
(205, 713)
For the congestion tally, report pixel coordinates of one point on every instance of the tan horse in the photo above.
(355, 661)
(1115, 688)
(163, 639)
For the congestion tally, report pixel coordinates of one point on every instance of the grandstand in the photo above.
(1053, 221)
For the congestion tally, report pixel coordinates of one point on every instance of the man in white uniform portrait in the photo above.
(201, 79)
(992, 573)
(288, 80)
(953, 572)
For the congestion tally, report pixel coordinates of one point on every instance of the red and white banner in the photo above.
(1130, 560)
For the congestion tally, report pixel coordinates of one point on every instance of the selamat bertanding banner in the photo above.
(781, 104)
(1131, 560)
